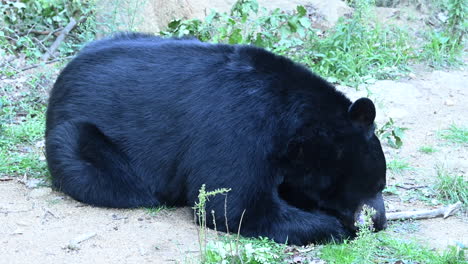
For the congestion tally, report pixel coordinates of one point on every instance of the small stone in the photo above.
(17, 232)
(449, 102)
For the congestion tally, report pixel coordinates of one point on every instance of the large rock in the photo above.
(154, 15)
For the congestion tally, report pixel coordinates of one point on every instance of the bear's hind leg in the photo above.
(88, 166)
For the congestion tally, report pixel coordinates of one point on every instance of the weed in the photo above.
(200, 215)
(247, 251)
(153, 211)
(427, 149)
(455, 134)
(391, 133)
(398, 166)
(451, 188)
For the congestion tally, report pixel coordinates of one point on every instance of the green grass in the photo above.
(455, 134)
(399, 165)
(383, 248)
(427, 149)
(153, 211)
(451, 188)
(18, 152)
(22, 121)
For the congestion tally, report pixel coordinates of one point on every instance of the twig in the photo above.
(53, 32)
(45, 62)
(59, 39)
(238, 235)
(424, 214)
(73, 244)
(410, 187)
(6, 179)
(225, 214)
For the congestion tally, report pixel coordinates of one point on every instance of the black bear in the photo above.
(140, 121)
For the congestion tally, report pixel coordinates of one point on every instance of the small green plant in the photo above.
(455, 134)
(451, 188)
(247, 251)
(391, 133)
(153, 211)
(200, 216)
(427, 149)
(230, 249)
(398, 166)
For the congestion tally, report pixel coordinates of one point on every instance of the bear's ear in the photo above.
(362, 112)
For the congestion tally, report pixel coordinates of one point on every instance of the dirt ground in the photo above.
(38, 225)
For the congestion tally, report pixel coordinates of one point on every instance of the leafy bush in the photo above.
(353, 52)
(29, 26)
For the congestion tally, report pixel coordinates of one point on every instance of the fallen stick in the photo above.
(73, 244)
(445, 211)
(59, 39)
(43, 63)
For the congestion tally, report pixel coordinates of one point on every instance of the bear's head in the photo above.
(338, 166)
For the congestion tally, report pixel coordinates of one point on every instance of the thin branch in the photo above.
(424, 214)
(45, 62)
(59, 39)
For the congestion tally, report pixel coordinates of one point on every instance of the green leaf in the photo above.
(301, 10)
(236, 37)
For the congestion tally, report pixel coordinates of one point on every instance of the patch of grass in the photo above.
(427, 149)
(21, 132)
(445, 45)
(156, 210)
(451, 188)
(455, 134)
(18, 150)
(380, 247)
(399, 165)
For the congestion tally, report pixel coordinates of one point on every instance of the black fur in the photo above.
(137, 120)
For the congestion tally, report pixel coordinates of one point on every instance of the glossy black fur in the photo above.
(139, 121)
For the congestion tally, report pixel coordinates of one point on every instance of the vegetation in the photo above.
(28, 26)
(445, 44)
(391, 133)
(351, 53)
(427, 149)
(451, 188)
(455, 134)
(356, 51)
(398, 166)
